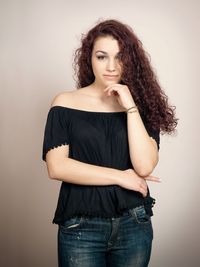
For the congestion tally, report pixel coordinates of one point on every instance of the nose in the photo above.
(111, 65)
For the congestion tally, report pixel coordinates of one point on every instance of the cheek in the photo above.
(97, 67)
(93, 67)
(95, 71)
(120, 68)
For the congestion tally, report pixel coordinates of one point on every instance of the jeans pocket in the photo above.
(141, 216)
(72, 223)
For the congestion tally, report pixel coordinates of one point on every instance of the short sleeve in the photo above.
(155, 134)
(56, 131)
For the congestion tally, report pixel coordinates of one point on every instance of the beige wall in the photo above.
(37, 42)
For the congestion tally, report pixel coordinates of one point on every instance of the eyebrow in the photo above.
(104, 52)
(101, 51)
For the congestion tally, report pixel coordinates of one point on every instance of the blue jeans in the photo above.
(125, 241)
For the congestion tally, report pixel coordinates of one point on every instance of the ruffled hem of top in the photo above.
(148, 205)
(52, 147)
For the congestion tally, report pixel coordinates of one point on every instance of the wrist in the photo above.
(132, 109)
(117, 176)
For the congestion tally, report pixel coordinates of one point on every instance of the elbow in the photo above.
(146, 170)
(143, 172)
(53, 168)
(52, 173)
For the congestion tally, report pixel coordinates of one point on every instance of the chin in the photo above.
(107, 83)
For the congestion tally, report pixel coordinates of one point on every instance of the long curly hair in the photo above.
(137, 73)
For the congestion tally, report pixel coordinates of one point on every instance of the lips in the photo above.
(111, 76)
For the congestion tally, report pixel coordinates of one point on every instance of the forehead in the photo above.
(107, 44)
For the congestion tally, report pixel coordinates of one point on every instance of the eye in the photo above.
(101, 57)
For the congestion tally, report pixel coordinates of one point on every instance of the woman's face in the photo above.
(106, 61)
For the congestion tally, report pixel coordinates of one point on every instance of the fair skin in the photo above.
(108, 95)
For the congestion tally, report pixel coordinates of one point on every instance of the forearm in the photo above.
(143, 153)
(77, 172)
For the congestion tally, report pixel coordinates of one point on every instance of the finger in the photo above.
(108, 89)
(144, 192)
(112, 91)
(143, 189)
(153, 179)
(110, 86)
(114, 87)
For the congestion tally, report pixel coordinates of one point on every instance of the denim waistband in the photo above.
(128, 211)
(147, 206)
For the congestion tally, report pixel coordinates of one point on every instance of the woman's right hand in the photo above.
(132, 181)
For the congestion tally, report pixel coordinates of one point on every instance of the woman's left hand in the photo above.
(122, 94)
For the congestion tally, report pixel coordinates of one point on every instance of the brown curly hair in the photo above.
(137, 73)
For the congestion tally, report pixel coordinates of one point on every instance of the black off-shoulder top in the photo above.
(98, 138)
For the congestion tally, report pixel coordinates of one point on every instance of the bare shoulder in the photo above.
(77, 98)
(64, 98)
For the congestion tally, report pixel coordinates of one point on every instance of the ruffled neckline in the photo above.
(88, 111)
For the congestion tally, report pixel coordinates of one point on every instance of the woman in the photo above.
(102, 142)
